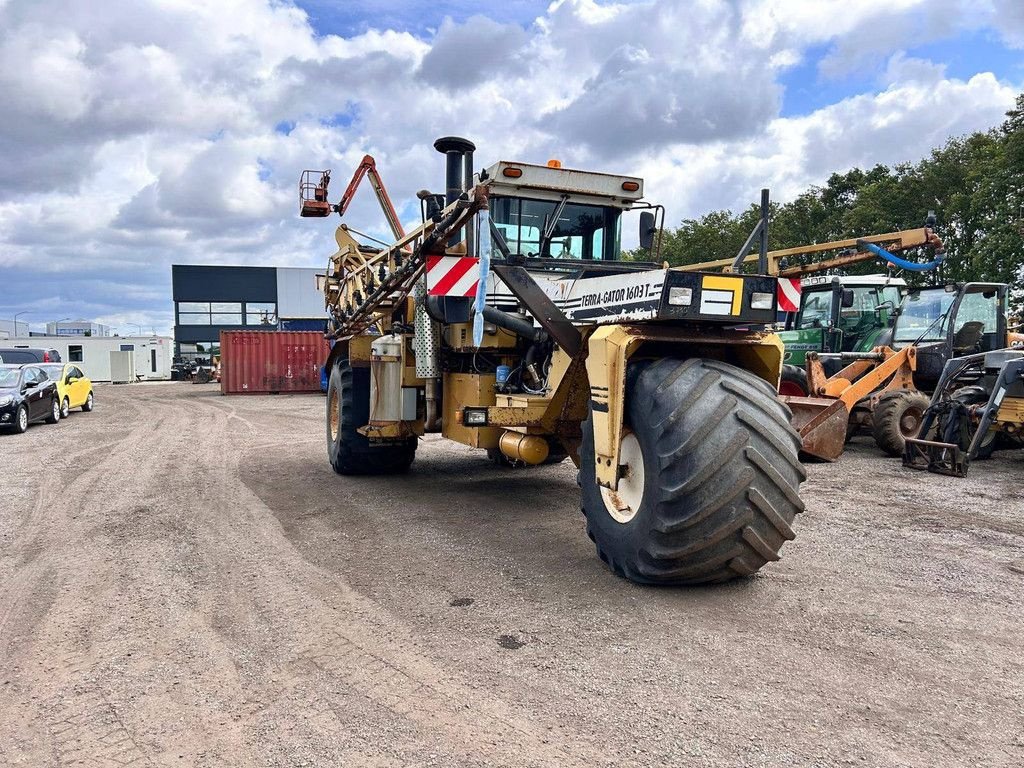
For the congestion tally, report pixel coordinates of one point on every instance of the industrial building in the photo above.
(152, 354)
(211, 299)
(10, 329)
(76, 328)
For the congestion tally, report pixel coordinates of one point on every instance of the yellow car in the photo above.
(73, 387)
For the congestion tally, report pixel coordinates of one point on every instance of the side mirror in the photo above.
(71, 380)
(847, 300)
(647, 230)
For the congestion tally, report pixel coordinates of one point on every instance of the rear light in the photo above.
(512, 173)
(630, 186)
(46, 357)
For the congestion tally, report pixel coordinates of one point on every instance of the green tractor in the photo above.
(837, 314)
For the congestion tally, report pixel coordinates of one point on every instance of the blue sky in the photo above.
(163, 133)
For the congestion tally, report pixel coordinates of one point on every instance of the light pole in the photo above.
(56, 325)
(16, 316)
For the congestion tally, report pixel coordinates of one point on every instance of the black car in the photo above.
(20, 355)
(27, 395)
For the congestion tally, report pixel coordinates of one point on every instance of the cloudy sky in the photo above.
(138, 134)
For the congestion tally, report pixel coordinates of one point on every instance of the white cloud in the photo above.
(174, 131)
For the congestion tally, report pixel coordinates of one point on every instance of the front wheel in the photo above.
(348, 408)
(793, 382)
(65, 408)
(896, 416)
(21, 420)
(88, 404)
(710, 476)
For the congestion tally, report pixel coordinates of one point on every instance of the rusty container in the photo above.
(262, 362)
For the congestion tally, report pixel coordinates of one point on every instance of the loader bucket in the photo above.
(821, 422)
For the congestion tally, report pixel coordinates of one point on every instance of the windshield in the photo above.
(53, 372)
(9, 377)
(920, 315)
(581, 232)
(816, 310)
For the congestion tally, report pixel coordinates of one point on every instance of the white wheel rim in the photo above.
(65, 408)
(56, 410)
(624, 503)
(23, 419)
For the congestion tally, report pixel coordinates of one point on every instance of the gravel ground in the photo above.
(184, 581)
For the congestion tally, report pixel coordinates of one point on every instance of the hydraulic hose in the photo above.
(902, 263)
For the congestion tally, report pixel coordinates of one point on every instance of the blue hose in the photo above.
(902, 263)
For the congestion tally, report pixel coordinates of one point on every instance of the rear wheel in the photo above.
(896, 416)
(54, 416)
(348, 408)
(709, 474)
(793, 382)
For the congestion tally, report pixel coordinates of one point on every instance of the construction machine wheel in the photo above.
(793, 382)
(897, 415)
(710, 476)
(348, 408)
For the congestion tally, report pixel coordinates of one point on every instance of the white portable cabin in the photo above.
(152, 354)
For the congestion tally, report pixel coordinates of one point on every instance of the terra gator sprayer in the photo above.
(508, 322)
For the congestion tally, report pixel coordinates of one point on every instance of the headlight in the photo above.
(5, 400)
(474, 417)
(761, 300)
(680, 297)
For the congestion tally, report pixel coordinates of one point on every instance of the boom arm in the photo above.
(313, 194)
(368, 167)
(891, 241)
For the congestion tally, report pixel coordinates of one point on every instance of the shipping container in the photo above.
(260, 362)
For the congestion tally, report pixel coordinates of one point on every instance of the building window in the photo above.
(127, 347)
(260, 313)
(223, 318)
(75, 353)
(194, 306)
(191, 318)
(152, 360)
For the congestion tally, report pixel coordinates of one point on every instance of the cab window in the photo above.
(580, 232)
(924, 316)
(816, 310)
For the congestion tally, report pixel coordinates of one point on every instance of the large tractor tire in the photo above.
(348, 408)
(897, 415)
(711, 478)
(793, 382)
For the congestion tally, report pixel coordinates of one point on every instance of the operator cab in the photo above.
(557, 218)
(951, 321)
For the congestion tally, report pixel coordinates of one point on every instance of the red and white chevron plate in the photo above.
(789, 294)
(452, 275)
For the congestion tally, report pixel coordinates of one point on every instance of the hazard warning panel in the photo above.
(789, 294)
(452, 275)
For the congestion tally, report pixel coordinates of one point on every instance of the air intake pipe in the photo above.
(458, 175)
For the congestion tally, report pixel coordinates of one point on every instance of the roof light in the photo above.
(630, 186)
(554, 163)
(512, 173)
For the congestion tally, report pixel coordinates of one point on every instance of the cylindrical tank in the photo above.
(530, 449)
(386, 379)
